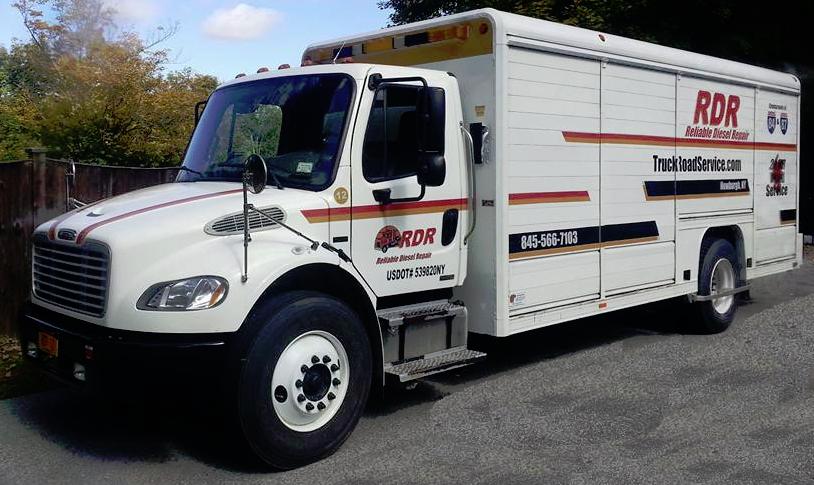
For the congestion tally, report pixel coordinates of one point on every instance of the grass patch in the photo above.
(17, 377)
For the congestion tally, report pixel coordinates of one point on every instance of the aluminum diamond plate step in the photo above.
(395, 317)
(416, 369)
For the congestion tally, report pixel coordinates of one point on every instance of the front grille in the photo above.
(233, 223)
(71, 276)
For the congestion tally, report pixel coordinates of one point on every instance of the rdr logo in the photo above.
(390, 237)
(716, 117)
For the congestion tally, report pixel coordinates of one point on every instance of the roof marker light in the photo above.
(242, 74)
(283, 66)
(262, 69)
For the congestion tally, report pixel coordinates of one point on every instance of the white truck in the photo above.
(483, 172)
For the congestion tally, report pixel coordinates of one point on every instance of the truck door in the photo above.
(407, 238)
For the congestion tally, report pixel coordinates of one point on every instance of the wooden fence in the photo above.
(34, 191)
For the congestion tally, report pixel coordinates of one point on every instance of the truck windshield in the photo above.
(295, 123)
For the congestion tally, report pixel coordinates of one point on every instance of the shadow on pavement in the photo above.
(162, 425)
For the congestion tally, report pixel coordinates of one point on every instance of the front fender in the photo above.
(269, 258)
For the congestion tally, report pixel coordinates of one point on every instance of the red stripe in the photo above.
(583, 137)
(52, 231)
(366, 209)
(82, 235)
(548, 195)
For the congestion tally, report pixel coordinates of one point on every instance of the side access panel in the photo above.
(552, 192)
(776, 176)
(638, 130)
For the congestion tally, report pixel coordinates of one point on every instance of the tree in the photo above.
(92, 93)
(17, 115)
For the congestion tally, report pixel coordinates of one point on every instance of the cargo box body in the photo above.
(607, 162)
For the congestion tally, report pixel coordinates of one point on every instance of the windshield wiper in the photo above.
(276, 180)
(182, 168)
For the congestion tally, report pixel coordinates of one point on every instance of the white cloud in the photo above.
(242, 22)
(132, 10)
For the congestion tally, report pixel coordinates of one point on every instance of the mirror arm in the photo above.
(246, 236)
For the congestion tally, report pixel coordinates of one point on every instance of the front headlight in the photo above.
(198, 293)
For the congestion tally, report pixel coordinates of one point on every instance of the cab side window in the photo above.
(392, 139)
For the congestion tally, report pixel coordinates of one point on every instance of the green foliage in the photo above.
(91, 97)
(259, 132)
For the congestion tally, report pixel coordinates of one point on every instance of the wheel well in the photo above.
(331, 280)
(734, 235)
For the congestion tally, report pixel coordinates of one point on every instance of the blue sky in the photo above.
(224, 37)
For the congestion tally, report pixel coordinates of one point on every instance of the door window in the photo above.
(392, 138)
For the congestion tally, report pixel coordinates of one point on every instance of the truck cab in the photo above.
(358, 228)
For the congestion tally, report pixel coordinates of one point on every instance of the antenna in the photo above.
(338, 51)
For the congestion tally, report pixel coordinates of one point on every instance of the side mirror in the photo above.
(198, 108)
(255, 174)
(432, 170)
(433, 122)
(479, 133)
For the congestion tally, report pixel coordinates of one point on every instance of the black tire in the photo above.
(280, 320)
(710, 319)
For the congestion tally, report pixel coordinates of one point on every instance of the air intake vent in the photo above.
(233, 223)
(71, 276)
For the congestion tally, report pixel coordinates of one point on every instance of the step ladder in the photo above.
(423, 339)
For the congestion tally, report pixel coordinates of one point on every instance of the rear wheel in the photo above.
(718, 272)
(306, 378)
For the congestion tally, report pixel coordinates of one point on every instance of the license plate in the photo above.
(48, 344)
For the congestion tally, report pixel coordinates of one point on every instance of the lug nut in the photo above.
(320, 405)
(334, 367)
(336, 381)
(331, 396)
(309, 407)
(314, 359)
(298, 383)
(326, 359)
(304, 369)
(300, 398)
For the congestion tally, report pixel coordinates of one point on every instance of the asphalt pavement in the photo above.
(629, 397)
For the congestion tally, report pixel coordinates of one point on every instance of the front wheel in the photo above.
(306, 378)
(719, 271)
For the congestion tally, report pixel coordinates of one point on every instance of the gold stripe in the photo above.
(544, 252)
(705, 196)
(629, 241)
(546, 200)
(581, 247)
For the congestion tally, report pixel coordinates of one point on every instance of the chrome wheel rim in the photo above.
(309, 381)
(723, 278)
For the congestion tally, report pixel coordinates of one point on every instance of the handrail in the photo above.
(470, 166)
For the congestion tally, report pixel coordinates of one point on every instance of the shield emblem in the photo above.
(771, 121)
(784, 123)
